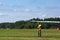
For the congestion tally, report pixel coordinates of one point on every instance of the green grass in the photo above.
(29, 34)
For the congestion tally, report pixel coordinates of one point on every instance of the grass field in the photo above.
(29, 34)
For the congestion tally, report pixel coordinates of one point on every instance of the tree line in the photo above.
(30, 25)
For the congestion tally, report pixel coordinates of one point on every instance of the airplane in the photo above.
(47, 21)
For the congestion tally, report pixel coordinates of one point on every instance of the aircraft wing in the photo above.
(47, 21)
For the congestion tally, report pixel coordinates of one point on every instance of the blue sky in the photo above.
(15, 10)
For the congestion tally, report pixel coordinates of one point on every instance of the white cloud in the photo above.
(22, 10)
(44, 15)
(58, 16)
(27, 10)
(14, 10)
(1, 14)
(1, 4)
